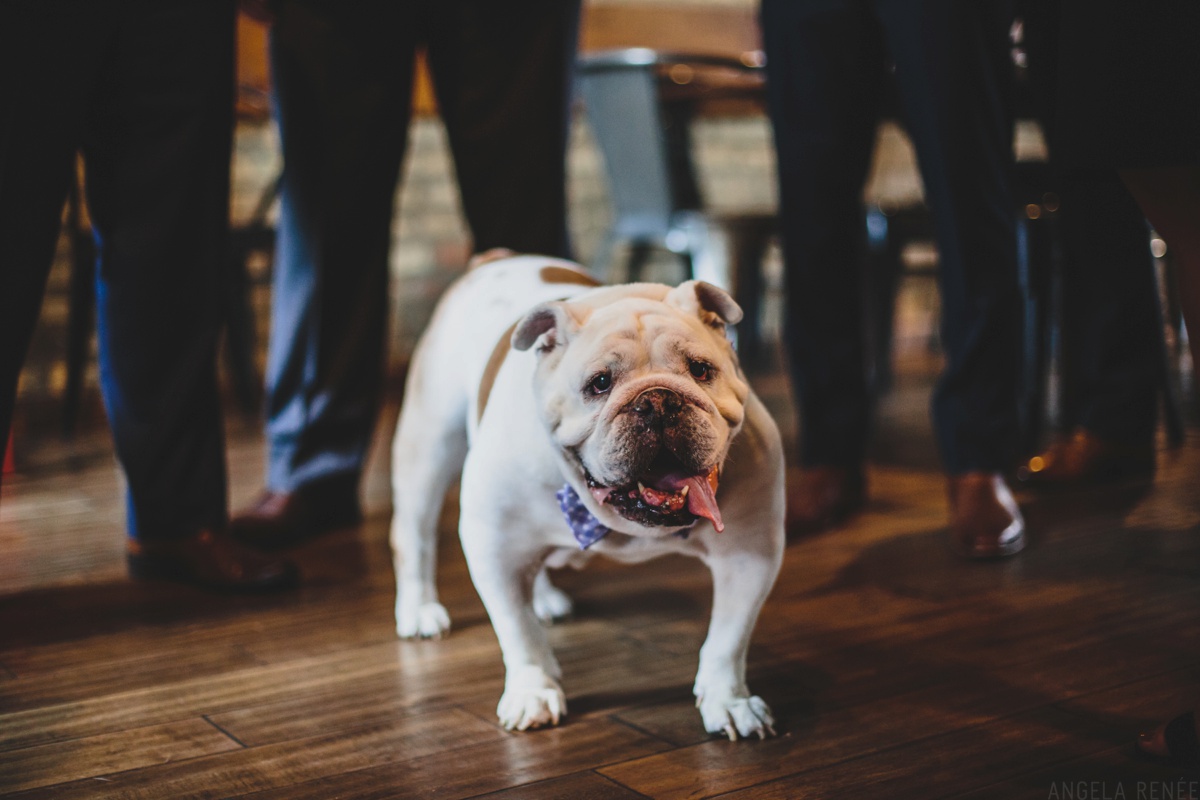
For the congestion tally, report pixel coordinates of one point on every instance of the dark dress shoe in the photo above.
(285, 519)
(210, 559)
(1084, 458)
(985, 521)
(824, 497)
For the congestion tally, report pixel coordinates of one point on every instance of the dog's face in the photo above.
(642, 394)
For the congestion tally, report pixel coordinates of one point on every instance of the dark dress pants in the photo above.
(343, 81)
(826, 60)
(1111, 324)
(144, 88)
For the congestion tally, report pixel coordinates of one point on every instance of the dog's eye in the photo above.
(700, 371)
(600, 384)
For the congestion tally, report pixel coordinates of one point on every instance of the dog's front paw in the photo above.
(736, 716)
(551, 603)
(531, 699)
(421, 620)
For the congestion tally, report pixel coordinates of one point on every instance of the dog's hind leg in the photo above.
(549, 602)
(427, 453)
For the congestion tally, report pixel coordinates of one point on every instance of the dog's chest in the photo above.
(635, 549)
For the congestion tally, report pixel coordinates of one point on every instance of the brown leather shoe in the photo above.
(824, 497)
(285, 519)
(1083, 457)
(210, 559)
(985, 521)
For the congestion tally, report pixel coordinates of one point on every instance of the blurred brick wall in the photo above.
(431, 242)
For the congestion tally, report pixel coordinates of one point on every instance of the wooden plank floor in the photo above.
(895, 670)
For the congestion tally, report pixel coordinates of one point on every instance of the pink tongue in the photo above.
(702, 501)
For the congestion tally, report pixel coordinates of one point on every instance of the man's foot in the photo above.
(824, 497)
(985, 521)
(1083, 457)
(210, 559)
(1176, 743)
(285, 519)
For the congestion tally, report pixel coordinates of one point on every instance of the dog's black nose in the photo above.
(657, 403)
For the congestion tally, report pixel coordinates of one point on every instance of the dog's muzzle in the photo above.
(670, 481)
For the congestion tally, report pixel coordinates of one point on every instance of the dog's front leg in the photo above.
(427, 452)
(504, 578)
(741, 582)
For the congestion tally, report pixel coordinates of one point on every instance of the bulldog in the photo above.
(586, 420)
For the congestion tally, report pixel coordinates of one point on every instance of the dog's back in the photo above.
(472, 324)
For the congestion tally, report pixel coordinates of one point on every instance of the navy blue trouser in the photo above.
(1112, 327)
(343, 82)
(826, 62)
(1111, 323)
(145, 89)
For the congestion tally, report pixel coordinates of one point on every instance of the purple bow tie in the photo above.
(587, 529)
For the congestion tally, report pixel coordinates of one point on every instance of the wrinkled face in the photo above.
(643, 397)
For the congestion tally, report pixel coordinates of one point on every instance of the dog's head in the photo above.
(642, 395)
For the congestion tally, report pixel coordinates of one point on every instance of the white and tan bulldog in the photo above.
(586, 419)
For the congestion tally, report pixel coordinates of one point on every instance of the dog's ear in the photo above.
(714, 305)
(554, 320)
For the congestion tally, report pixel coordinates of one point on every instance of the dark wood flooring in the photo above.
(895, 670)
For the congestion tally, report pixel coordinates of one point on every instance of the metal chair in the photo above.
(639, 104)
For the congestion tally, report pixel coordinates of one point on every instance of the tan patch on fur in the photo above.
(488, 256)
(493, 368)
(552, 274)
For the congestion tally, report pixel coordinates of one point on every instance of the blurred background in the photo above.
(59, 414)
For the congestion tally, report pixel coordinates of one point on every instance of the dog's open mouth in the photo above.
(670, 499)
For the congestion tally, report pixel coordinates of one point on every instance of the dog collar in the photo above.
(583, 524)
(586, 529)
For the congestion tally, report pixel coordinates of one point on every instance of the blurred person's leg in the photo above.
(825, 70)
(343, 90)
(1129, 99)
(502, 73)
(1113, 353)
(147, 90)
(1111, 316)
(953, 66)
(46, 77)
(1130, 91)
(157, 151)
